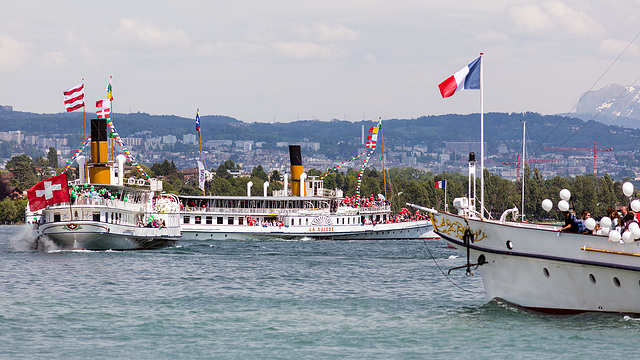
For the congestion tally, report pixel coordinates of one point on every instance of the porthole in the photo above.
(592, 278)
(509, 245)
(616, 281)
(545, 271)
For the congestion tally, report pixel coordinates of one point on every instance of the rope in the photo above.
(445, 275)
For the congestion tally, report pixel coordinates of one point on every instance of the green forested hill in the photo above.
(430, 131)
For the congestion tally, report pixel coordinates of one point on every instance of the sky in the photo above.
(282, 61)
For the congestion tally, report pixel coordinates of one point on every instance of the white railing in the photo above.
(117, 203)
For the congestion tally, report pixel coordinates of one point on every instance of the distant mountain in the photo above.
(613, 105)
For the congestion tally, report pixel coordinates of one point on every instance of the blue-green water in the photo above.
(276, 300)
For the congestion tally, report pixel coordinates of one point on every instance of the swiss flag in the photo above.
(370, 145)
(47, 192)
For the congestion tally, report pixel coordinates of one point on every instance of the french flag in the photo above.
(467, 78)
(442, 184)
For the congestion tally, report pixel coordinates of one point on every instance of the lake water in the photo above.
(276, 300)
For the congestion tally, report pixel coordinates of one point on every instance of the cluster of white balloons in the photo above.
(632, 233)
(563, 204)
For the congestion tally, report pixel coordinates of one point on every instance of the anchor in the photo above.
(467, 239)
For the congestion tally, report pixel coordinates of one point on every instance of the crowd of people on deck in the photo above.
(78, 193)
(620, 221)
(359, 202)
(264, 223)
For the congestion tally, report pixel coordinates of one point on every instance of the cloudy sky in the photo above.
(283, 60)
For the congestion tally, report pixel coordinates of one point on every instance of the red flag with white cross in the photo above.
(54, 190)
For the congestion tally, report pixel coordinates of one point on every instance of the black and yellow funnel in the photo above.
(296, 168)
(99, 172)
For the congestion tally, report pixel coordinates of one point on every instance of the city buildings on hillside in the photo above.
(449, 157)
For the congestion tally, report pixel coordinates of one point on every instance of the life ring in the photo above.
(131, 181)
(140, 182)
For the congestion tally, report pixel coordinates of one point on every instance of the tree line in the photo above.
(398, 185)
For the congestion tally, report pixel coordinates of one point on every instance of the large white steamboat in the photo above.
(109, 212)
(537, 267)
(308, 212)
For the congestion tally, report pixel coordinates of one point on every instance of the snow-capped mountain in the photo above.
(614, 104)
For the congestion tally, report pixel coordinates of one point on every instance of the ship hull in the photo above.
(90, 235)
(536, 267)
(406, 230)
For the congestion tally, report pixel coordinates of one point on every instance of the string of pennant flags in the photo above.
(74, 99)
(335, 168)
(114, 134)
(371, 146)
(76, 154)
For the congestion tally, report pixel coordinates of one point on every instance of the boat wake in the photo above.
(27, 240)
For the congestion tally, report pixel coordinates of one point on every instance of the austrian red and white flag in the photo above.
(103, 113)
(54, 190)
(104, 103)
(467, 78)
(74, 97)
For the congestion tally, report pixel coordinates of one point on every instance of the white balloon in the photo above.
(563, 205)
(635, 233)
(626, 236)
(627, 188)
(614, 235)
(635, 205)
(590, 223)
(605, 222)
(605, 231)
(547, 205)
(633, 225)
(565, 194)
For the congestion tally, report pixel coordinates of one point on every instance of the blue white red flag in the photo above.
(197, 122)
(465, 79)
(442, 184)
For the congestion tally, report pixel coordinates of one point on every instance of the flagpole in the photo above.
(384, 178)
(200, 141)
(482, 207)
(111, 116)
(84, 125)
(524, 141)
(446, 204)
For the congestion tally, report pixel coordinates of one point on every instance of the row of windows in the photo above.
(220, 220)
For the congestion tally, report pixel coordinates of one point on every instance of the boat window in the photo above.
(56, 217)
(240, 221)
(299, 221)
(96, 216)
(198, 220)
(186, 220)
(220, 220)
(291, 222)
(230, 221)
(209, 220)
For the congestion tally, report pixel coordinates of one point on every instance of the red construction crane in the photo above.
(530, 161)
(595, 154)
